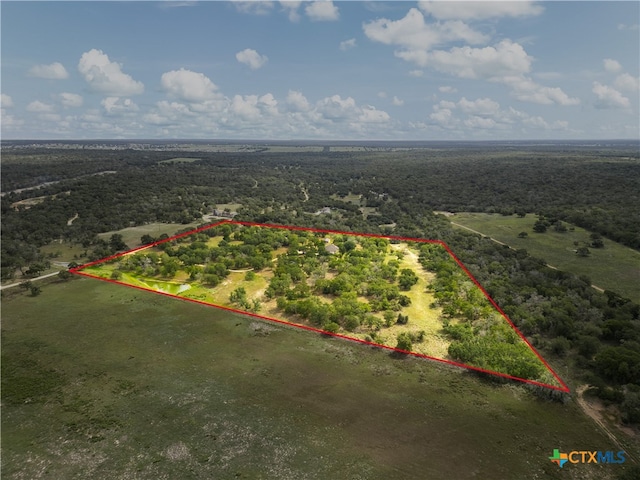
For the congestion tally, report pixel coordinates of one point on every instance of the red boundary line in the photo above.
(565, 388)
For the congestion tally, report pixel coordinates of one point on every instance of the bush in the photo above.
(404, 342)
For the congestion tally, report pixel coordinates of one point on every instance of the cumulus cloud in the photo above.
(479, 10)
(322, 11)
(397, 102)
(5, 101)
(297, 101)
(291, 7)
(627, 82)
(105, 76)
(506, 58)
(611, 65)
(416, 37)
(347, 44)
(70, 100)
(447, 89)
(188, 85)
(526, 90)
(119, 106)
(261, 7)
(39, 107)
(486, 114)
(481, 106)
(609, 97)
(370, 114)
(54, 71)
(251, 58)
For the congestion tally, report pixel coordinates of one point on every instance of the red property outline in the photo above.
(564, 388)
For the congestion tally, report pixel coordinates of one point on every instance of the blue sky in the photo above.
(320, 70)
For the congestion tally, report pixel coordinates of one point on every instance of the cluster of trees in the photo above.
(479, 336)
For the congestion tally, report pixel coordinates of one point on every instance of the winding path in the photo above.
(595, 415)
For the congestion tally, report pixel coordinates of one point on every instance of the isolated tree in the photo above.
(146, 239)
(583, 251)
(116, 243)
(540, 226)
(523, 235)
(404, 341)
(35, 290)
(596, 240)
(64, 275)
(26, 285)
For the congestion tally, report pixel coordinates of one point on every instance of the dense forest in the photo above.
(596, 335)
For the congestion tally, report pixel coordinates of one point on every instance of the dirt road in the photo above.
(600, 289)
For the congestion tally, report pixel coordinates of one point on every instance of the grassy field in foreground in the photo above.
(103, 382)
(131, 235)
(615, 267)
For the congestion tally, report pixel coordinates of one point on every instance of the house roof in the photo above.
(331, 248)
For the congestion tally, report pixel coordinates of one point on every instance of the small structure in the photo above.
(224, 214)
(323, 211)
(331, 249)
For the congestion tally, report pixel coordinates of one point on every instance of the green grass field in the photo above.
(131, 235)
(614, 267)
(101, 381)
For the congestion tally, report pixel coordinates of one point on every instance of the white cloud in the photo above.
(397, 102)
(297, 101)
(188, 85)
(609, 97)
(486, 115)
(322, 11)
(417, 37)
(70, 100)
(382, 94)
(479, 10)
(119, 106)
(105, 76)
(335, 108)
(447, 89)
(347, 44)
(611, 65)
(416, 73)
(5, 101)
(291, 7)
(632, 27)
(261, 7)
(251, 58)
(526, 90)
(627, 82)
(481, 106)
(39, 107)
(54, 71)
(506, 58)
(371, 115)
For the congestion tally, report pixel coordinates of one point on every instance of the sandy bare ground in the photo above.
(11, 285)
(70, 221)
(596, 414)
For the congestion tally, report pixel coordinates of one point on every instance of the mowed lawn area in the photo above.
(100, 381)
(131, 235)
(614, 267)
